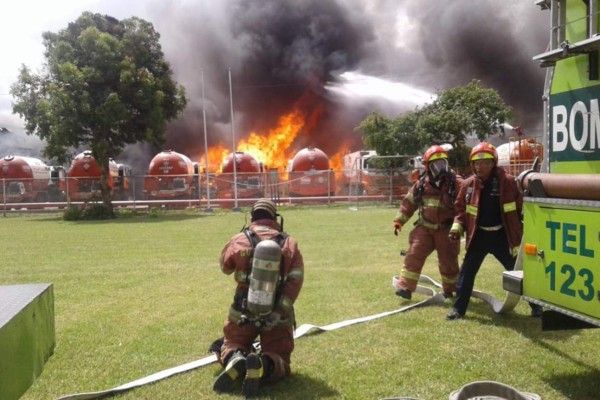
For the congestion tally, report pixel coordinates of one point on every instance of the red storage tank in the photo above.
(518, 155)
(83, 177)
(309, 174)
(170, 176)
(27, 179)
(248, 172)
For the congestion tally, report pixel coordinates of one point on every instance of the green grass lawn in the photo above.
(137, 295)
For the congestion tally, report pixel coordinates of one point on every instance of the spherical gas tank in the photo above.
(244, 163)
(524, 150)
(171, 163)
(527, 149)
(16, 167)
(309, 159)
(85, 165)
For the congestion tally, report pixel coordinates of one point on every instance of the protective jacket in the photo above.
(511, 202)
(236, 258)
(436, 203)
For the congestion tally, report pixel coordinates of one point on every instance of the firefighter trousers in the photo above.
(482, 244)
(276, 343)
(422, 242)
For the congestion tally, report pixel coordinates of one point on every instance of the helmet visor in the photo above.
(438, 167)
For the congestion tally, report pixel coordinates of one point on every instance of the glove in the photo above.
(454, 235)
(514, 251)
(397, 227)
(272, 319)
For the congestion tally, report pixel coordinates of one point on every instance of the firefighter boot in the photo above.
(257, 368)
(235, 369)
(536, 310)
(254, 371)
(404, 293)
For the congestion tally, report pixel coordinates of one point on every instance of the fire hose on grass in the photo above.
(434, 297)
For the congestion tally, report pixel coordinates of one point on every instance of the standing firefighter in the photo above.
(489, 207)
(268, 269)
(433, 197)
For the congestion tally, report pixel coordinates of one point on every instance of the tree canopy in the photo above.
(450, 118)
(105, 83)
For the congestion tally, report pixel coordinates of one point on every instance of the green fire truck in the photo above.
(559, 264)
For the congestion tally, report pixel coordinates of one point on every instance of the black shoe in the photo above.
(454, 315)
(234, 371)
(254, 371)
(448, 295)
(536, 310)
(404, 293)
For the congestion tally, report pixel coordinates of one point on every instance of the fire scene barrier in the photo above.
(433, 298)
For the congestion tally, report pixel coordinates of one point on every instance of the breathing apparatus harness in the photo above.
(264, 277)
(420, 189)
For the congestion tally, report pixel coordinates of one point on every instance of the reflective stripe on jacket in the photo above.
(467, 207)
(437, 207)
(235, 258)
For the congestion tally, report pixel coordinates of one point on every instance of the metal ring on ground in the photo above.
(490, 390)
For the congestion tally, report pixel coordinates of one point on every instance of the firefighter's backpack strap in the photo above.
(254, 239)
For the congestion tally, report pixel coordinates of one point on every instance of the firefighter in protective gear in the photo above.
(433, 197)
(236, 354)
(488, 207)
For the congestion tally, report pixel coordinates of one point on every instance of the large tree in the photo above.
(105, 83)
(450, 118)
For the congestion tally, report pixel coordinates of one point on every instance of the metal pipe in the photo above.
(208, 209)
(234, 157)
(562, 186)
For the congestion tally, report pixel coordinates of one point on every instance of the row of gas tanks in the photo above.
(171, 175)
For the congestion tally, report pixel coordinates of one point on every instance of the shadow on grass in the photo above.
(581, 386)
(578, 386)
(298, 386)
(129, 219)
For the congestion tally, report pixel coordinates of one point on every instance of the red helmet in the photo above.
(433, 153)
(436, 160)
(484, 150)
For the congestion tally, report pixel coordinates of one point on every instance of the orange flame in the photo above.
(336, 161)
(273, 149)
(216, 156)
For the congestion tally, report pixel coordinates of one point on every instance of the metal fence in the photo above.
(209, 190)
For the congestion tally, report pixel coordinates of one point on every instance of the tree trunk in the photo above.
(105, 188)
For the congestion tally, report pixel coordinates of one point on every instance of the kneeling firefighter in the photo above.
(268, 269)
(433, 197)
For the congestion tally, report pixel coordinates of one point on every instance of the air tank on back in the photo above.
(309, 174)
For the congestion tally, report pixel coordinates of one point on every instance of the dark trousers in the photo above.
(483, 243)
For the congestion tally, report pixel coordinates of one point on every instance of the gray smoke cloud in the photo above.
(288, 53)
(280, 52)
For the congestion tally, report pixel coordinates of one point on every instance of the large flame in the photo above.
(216, 156)
(336, 161)
(273, 149)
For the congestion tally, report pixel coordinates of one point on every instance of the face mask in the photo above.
(438, 167)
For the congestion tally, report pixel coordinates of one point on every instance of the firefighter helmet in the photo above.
(484, 150)
(433, 153)
(263, 208)
(431, 157)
